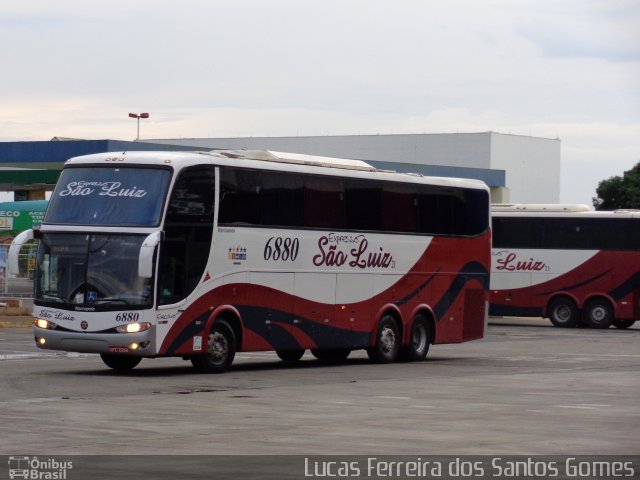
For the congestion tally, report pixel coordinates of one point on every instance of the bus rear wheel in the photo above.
(221, 350)
(120, 362)
(419, 341)
(622, 323)
(387, 343)
(290, 355)
(598, 313)
(563, 312)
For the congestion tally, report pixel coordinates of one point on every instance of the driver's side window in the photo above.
(187, 234)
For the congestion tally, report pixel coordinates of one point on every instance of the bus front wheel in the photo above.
(598, 313)
(221, 350)
(563, 312)
(387, 343)
(120, 362)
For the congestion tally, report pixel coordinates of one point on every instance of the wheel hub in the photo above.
(387, 340)
(563, 313)
(599, 314)
(218, 347)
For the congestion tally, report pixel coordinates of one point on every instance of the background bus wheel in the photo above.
(120, 362)
(622, 323)
(387, 343)
(598, 313)
(221, 349)
(290, 355)
(331, 354)
(563, 312)
(419, 341)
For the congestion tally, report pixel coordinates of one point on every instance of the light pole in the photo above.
(138, 116)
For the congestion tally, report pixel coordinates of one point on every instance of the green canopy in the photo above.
(18, 216)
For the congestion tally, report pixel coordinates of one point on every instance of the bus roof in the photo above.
(557, 210)
(269, 160)
(296, 158)
(540, 207)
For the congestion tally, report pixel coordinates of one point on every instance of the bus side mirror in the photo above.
(14, 251)
(145, 260)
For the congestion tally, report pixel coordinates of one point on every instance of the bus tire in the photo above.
(563, 312)
(622, 324)
(221, 350)
(419, 341)
(387, 341)
(290, 355)
(598, 313)
(334, 355)
(120, 362)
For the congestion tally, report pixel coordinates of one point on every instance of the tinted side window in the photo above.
(188, 230)
(443, 211)
(263, 198)
(399, 208)
(566, 233)
(192, 197)
(363, 205)
(239, 201)
(324, 205)
(515, 232)
(281, 200)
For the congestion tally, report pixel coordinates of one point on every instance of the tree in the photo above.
(619, 192)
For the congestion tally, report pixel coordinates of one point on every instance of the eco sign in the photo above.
(21, 215)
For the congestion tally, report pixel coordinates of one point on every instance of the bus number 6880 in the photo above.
(282, 248)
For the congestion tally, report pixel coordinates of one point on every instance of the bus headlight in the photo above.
(133, 327)
(44, 324)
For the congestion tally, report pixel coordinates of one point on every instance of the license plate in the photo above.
(119, 349)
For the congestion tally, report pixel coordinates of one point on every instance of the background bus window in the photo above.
(516, 232)
(187, 234)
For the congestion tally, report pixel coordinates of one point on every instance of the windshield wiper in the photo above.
(111, 300)
(48, 296)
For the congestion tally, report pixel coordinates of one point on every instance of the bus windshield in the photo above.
(109, 196)
(95, 271)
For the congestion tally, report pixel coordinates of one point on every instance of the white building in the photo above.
(518, 168)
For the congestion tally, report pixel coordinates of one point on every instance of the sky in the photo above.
(567, 69)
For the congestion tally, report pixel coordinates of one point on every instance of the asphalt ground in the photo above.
(527, 388)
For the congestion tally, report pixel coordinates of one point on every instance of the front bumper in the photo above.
(120, 343)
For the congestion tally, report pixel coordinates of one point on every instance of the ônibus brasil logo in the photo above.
(38, 469)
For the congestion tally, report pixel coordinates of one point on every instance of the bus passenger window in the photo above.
(399, 209)
(324, 203)
(239, 197)
(364, 205)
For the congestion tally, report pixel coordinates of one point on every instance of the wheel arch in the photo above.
(559, 295)
(232, 316)
(601, 296)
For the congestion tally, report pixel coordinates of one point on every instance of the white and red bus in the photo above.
(201, 255)
(567, 263)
